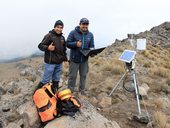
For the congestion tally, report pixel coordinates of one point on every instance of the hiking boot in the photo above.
(55, 86)
(39, 85)
(75, 93)
(83, 93)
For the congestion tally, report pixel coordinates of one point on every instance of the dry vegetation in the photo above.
(161, 120)
(168, 81)
(160, 71)
(153, 68)
(160, 103)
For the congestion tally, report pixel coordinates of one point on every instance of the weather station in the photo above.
(128, 57)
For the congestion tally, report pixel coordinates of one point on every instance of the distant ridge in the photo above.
(36, 54)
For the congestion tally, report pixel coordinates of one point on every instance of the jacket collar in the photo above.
(53, 32)
(78, 30)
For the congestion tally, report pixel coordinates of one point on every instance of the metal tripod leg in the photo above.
(137, 92)
(118, 83)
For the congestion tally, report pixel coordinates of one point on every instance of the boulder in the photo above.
(18, 92)
(29, 112)
(105, 102)
(165, 88)
(144, 85)
(30, 73)
(88, 117)
(101, 95)
(2, 90)
(1, 124)
(27, 71)
(143, 90)
(19, 86)
(12, 87)
(13, 125)
(93, 100)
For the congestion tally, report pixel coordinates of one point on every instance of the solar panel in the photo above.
(127, 56)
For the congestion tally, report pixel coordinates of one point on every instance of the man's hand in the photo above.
(79, 43)
(51, 47)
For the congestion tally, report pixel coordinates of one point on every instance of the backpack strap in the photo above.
(45, 107)
(48, 90)
(48, 93)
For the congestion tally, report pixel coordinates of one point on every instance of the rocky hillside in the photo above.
(18, 80)
(159, 35)
(153, 73)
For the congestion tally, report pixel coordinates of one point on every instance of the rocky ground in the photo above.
(17, 83)
(18, 80)
(18, 110)
(88, 117)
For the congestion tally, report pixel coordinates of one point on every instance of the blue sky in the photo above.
(24, 22)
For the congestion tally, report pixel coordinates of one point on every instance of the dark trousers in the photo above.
(83, 70)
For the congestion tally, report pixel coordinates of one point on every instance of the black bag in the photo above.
(70, 106)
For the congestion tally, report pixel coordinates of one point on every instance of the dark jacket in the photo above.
(59, 54)
(87, 40)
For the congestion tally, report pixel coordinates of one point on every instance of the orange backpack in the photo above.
(46, 103)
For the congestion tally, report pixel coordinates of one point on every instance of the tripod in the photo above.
(130, 69)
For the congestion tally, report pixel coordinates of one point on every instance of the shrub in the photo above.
(160, 71)
(160, 103)
(160, 119)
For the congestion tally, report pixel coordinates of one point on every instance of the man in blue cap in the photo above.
(79, 39)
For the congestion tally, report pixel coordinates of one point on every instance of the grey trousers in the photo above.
(73, 69)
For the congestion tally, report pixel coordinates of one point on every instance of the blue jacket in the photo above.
(87, 40)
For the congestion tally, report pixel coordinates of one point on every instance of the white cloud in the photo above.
(25, 22)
